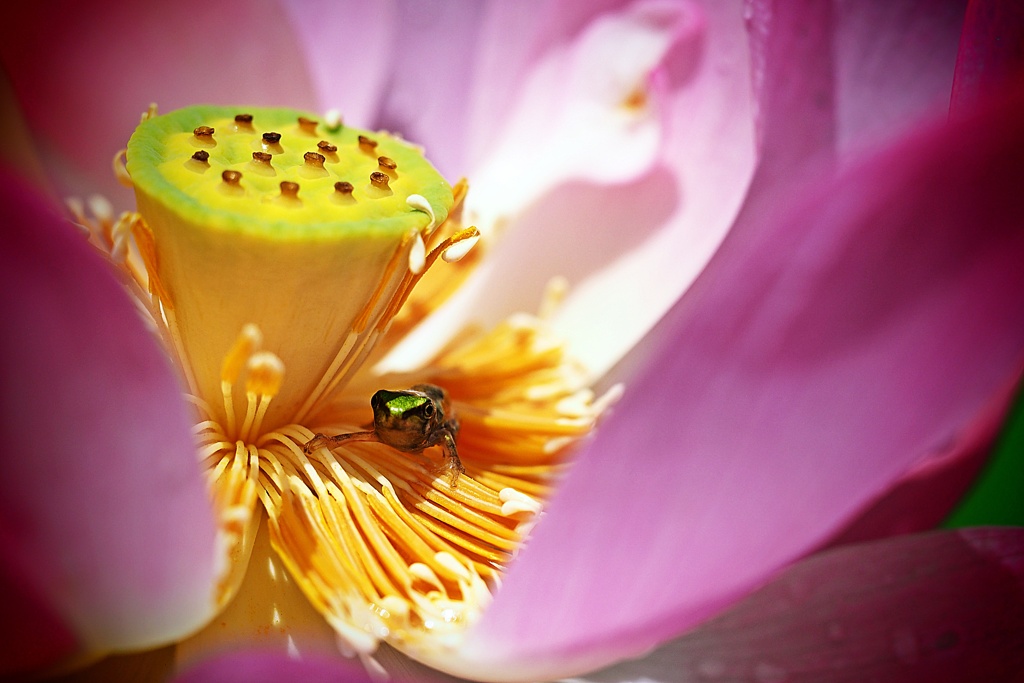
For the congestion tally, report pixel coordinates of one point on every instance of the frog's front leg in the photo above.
(321, 440)
(452, 464)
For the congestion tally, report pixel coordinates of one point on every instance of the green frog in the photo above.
(408, 420)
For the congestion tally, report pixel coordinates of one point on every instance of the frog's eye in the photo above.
(428, 409)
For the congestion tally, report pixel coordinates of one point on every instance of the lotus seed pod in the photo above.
(252, 212)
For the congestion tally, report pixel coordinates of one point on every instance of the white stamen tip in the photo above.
(554, 294)
(424, 573)
(101, 208)
(515, 502)
(77, 208)
(458, 250)
(448, 561)
(420, 203)
(609, 398)
(332, 120)
(417, 255)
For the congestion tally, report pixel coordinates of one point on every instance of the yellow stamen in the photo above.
(253, 254)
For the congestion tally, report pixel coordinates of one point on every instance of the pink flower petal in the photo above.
(926, 493)
(348, 48)
(835, 78)
(100, 491)
(629, 247)
(84, 72)
(991, 50)
(428, 88)
(937, 607)
(588, 111)
(817, 360)
(866, 73)
(32, 635)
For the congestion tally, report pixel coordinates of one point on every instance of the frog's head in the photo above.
(410, 419)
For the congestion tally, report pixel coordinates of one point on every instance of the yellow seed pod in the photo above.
(266, 217)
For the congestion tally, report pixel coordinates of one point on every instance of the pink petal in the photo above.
(348, 48)
(926, 493)
(84, 72)
(261, 667)
(938, 607)
(454, 95)
(991, 50)
(817, 360)
(427, 93)
(32, 634)
(829, 82)
(103, 503)
(835, 78)
(613, 237)
(574, 118)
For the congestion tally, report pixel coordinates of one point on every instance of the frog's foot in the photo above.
(316, 442)
(451, 468)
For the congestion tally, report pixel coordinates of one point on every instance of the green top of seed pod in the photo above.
(281, 173)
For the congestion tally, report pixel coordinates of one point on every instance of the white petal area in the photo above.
(628, 247)
(587, 111)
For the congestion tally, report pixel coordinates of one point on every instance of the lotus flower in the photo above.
(806, 274)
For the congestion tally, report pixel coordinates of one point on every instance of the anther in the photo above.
(460, 248)
(203, 132)
(379, 180)
(202, 155)
(366, 144)
(387, 163)
(231, 177)
(308, 125)
(271, 138)
(266, 373)
(289, 189)
(332, 120)
(325, 146)
(417, 255)
(314, 160)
